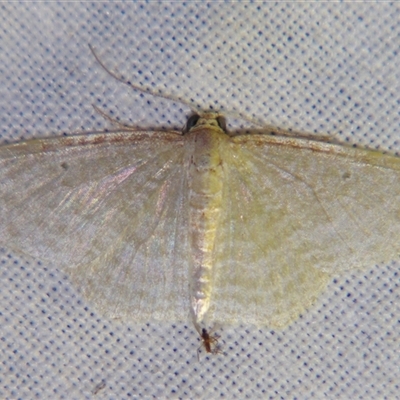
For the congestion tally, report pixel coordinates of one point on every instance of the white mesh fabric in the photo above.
(325, 68)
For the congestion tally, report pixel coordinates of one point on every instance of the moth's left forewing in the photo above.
(109, 210)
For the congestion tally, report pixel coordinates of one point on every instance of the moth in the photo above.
(199, 224)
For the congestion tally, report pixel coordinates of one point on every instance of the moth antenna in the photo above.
(195, 108)
(148, 90)
(111, 119)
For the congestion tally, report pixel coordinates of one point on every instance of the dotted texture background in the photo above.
(319, 68)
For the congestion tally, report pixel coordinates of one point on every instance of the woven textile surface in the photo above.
(329, 68)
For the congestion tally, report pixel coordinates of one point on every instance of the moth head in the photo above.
(209, 119)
